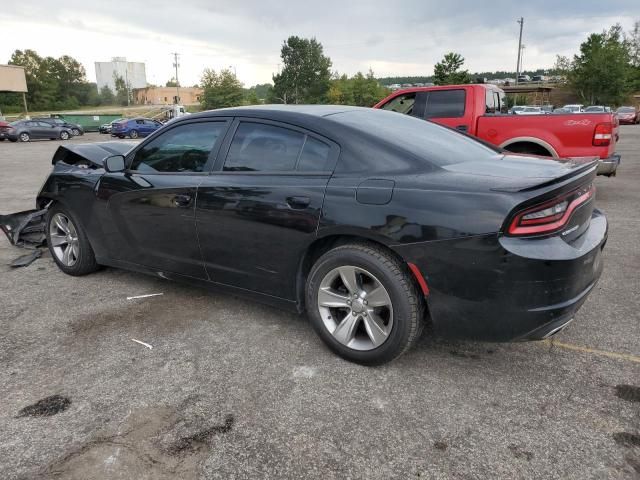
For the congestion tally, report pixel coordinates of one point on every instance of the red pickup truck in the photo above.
(481, 110)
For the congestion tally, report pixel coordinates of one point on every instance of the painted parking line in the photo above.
(594, 351)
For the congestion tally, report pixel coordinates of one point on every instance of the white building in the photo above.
(133, 73)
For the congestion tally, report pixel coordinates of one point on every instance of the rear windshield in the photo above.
(436, 144)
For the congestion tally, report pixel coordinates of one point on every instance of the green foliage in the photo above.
(306, 75)
(220, 90)
(447, 71)
(106, 96)
(360, 90)
(171, 83)
(122, 90)
(400, 80)
(53, 83)
(600, 74)
(632, 40)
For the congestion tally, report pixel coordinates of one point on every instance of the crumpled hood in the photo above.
(94, 153)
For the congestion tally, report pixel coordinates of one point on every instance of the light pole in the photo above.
(521, 22)
(176, 65)
(235, 74)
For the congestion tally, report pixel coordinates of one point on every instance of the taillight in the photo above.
(602, 134)
(551, 216)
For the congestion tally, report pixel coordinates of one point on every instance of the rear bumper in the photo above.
(508, 289)
(608, 166)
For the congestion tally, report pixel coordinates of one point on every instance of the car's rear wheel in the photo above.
(64, 135)
(133, 134)
(75, 132)
(24, 137)
(68, 243)
(364, 304)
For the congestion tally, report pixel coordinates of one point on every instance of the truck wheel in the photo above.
(364, 304)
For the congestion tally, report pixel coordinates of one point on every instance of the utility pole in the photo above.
(176, 65)
(521, 22)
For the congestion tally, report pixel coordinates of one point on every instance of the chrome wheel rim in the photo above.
(134, 134)
(64, 240)
(355, 308)
(64, 135)
(24, 137)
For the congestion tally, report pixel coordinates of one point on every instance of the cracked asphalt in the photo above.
(233, 389)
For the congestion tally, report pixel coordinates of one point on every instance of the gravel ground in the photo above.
(234, 389)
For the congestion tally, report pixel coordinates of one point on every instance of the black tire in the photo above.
(24, 137)
(86, 260)
(64, 135)
(133, 134)
(2, 139)
(407, 302)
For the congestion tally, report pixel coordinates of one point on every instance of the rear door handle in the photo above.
(182, 200)
(298, 202)
(462, 128)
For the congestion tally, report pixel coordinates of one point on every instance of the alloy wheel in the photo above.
(355, 307)
(64, 136)
(24, 137)
(64, 239)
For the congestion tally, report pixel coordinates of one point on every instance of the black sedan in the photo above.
(26, 130)
(372, 222)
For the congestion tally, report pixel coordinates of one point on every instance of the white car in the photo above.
(530, 111)
(574, 108)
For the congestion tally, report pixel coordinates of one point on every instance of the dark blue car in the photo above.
(134, 128)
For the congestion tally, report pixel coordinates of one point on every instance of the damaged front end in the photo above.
(25, 229)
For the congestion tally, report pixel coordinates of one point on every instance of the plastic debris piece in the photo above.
(143, 343)
(26, 260)
(145, 296)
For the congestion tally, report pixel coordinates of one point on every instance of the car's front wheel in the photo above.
(364, 304)
(64, 135)
(133, 134)
(24, 137)
(68, 243)
(75, 132)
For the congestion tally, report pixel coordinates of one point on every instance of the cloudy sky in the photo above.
(393, 37)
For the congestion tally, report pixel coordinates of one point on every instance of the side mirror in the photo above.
(114, 164)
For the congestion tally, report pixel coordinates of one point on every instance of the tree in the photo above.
(220, 90)
(306, 75)
(632, 40)
(122, 90)
(360, 90)
(106, 96)
(447, 71)
(601, 72)
(172, 83)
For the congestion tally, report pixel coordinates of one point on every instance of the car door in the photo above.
(260, 207)
(39, 129)
(151, 206)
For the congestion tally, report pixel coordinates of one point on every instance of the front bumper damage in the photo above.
(25, 229)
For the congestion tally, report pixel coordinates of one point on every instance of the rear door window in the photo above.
(259, 147)
(315, 156)
(445, 104)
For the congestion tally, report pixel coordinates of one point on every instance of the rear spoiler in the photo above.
(584, 166)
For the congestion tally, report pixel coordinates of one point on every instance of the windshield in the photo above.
(594, 109)
(626, 110)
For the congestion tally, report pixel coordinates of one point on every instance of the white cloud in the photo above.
(394, 38)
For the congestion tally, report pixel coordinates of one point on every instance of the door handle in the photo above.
(182, 200)
(298, 202)
(462, 128)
